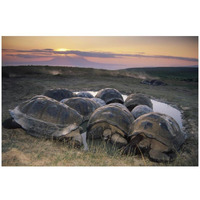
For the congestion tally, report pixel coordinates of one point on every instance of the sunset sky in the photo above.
(100, 52)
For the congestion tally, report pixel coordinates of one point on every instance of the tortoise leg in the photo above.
(131, 147)
(144, 144)
(10, 124)
(95, 132)
(168, 152)
(74, 138)
(107, 134)
(158, 146)
(118, 140)
(158, 156)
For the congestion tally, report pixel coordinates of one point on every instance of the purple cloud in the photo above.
(26, 56)
(27, 51)
(51, 52)
(87, 54)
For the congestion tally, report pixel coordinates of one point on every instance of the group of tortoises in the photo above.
(129, 124)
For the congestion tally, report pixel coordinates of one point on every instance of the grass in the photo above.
(20, 149)
(189, 74)
(60, 154)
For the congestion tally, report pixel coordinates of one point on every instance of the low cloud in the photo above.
(174, 57)
(25, 56)
(87, 54)
(28, 51)
(51, 52)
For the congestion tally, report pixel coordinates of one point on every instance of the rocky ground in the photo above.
(20, 149)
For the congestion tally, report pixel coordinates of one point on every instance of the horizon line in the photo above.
(188, 66)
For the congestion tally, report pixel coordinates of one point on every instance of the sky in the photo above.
(112, 52)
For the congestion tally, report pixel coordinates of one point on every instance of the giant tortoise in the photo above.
(84, 106)
(141, 110)
(134, 100)
(45, 117)
(110, 122)
(110, 95)
(157, 135)
(122, 106)
(59, 94)
(101, 102)
(84, 94)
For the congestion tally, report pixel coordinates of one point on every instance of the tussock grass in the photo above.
(37, 152)
(30, 151)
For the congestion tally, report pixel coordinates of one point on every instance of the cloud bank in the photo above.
(92, 54)
(50, 56)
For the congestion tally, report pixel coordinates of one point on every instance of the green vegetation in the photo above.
(189, 74)
(23, 82)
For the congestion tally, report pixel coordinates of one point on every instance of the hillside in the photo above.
(189, 74)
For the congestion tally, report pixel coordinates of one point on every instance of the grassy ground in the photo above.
(22, 83)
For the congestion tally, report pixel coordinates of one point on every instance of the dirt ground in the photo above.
(21, 149)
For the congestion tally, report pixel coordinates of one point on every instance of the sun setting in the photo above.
(62, 49)
(101, 52)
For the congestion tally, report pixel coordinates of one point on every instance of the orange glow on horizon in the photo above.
(96, 50)
(62, 49)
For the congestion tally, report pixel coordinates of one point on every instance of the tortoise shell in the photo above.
(45, 117)
(113, 115)
(134, 100)
(158, 133)
(85, 95)
(101, 102)
(110, 95)
(83, 106)
(141, 110)
(59, 94)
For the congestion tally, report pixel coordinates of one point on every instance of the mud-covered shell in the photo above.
(101, 102)
(83, 106)
(59, 94)
(84, 94)
(141, 110)
(114, 115)
(160, 127)
(134, 100)
(110, 95)
(45, 117)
